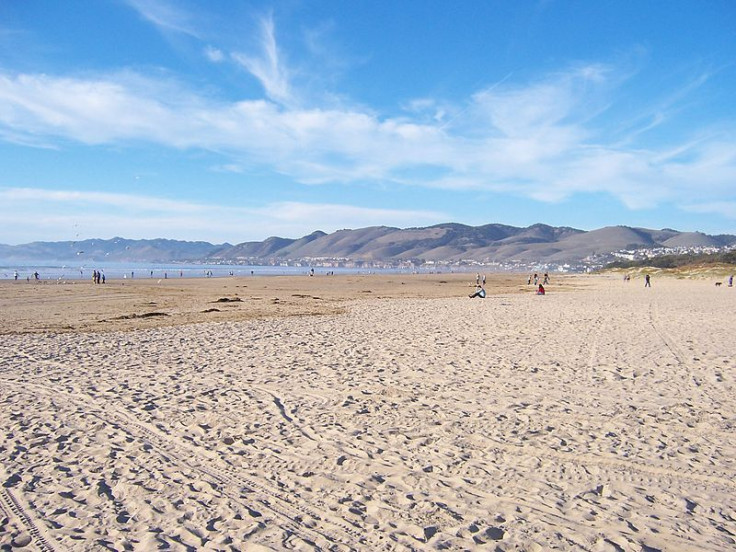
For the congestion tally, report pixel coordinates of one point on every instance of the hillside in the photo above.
(449, 243)
(680, 261)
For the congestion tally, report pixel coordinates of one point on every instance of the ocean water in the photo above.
(55, 270)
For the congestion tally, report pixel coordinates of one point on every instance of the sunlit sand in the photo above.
(360, 414)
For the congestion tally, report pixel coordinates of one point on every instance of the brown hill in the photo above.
(442, 242)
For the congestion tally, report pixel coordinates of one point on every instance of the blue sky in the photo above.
(235, 121)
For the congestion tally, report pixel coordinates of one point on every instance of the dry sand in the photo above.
(399, 415)
(79, 305)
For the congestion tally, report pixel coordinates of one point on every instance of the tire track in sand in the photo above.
(671, 345)
(327, 534)
(13, 509)
(583, 459)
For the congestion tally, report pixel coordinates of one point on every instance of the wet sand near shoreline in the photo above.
(51, 306)
(399, 415)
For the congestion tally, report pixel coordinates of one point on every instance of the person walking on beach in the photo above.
(647, 281)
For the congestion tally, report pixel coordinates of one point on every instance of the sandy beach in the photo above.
(368, 413)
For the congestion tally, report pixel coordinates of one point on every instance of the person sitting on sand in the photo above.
(540, 291)
(479, 292)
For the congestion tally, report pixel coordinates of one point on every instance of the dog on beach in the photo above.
(718, 283)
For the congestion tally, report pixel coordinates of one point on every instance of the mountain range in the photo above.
(440, 243)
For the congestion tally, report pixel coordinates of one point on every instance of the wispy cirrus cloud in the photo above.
(348, 216)
(78, 198)
(166, 15)
(543, 139)
(268, 65)
(724, 208)
(69, 213)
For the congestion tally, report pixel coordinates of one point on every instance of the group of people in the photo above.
(36, 276)
(544, 282)
(536, 279)
(480, 285)
(647, 279)
(98, 277)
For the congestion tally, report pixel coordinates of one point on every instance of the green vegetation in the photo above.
(679, 261)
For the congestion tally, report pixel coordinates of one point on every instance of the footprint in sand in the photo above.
(21, 541)
(12, 481)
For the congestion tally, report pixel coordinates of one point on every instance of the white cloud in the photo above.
(269, 67)
(91, 111)
(165, 15)
(723, 208)
(343, 216)
(215, 55)
(30, 214)
(85, 198)
(229, 168)
(539, 140)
